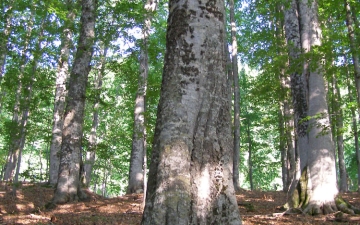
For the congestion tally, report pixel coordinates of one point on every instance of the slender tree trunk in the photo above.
(60, 96)
(17, 120)
(251, 180)
(136, 172)
(354, 124)
(68, 186)
(236, 162)
(90, 154)
(190, 177)
(353, 49)
(343, 187)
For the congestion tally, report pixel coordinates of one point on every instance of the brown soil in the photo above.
(256, 207)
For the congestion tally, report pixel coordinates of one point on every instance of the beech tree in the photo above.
(68, 186)
(190, 177)
(137, 171)
(62, 76)
(315, 188)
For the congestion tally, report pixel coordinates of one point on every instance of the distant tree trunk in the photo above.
(27, 100)
(354, 125)
(251, 180)
(354, 50)
(339, 127)
(17, 120)
(68, 186)
(316, 148)
(90, 154)
(60, 96)
(236, 162)
(137, 172)
(190, 177)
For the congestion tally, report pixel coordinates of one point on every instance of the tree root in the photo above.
(340, 205)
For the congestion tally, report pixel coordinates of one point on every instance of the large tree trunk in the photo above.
(236, 162)
(68, 186)
(190, 178)
(316, 148)
(138, 151)
(60, 96)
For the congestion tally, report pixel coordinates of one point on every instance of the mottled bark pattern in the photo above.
(68, 187)
(190, 178)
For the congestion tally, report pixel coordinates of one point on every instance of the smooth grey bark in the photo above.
(91, 153)
(316, 148)
(190, 177)
(62, 75)
(234, 61)
(137, 171)
(68, 186)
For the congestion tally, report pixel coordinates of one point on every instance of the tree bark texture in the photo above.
(68, 186)
(60, 98)
(190, 177)
(314, 141)
(136, 172)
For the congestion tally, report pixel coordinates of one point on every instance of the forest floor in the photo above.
(256, 207)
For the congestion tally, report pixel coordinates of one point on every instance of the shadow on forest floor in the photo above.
(256, 207)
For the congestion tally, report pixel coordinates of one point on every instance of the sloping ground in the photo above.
(28, 208)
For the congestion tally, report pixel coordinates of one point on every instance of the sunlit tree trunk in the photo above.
(138, 151)
(68, 186)
(190, 177)
(62, 75)
(90, 154)
(316, 148)
(236, 162)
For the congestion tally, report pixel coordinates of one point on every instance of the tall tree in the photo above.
(137, 169)
(353, 49)
(190, 177)
(234, 60)
(314, 141)
(68, 186)
(18, 121)
(60, 94)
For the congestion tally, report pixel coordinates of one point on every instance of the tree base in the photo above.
(339, 205)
